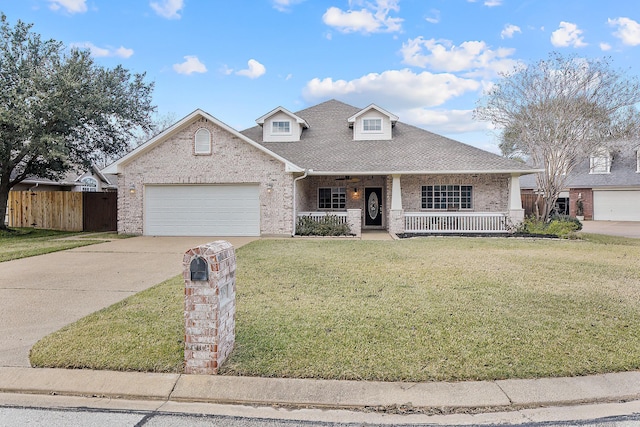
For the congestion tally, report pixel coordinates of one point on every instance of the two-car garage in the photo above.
(202, 210)
(616, 205)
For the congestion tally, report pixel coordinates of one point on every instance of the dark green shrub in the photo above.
(328, 225)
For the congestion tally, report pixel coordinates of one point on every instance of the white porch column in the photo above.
(396, 194)
(396, 220)
(516, 213)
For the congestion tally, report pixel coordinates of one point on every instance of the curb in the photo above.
(388, 397)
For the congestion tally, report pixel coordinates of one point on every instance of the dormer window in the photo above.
(600, 161)
(372, 125)
(202, 142)
(281, 127)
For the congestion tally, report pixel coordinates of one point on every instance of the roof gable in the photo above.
(392, 117)
(302, 122)
(115, 167)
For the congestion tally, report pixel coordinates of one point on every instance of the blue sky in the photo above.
(427, 61)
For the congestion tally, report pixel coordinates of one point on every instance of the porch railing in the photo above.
(455, 222)
(317, 216)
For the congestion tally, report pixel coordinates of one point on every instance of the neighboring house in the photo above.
(608, 183)
(93, 180)
(202, 177)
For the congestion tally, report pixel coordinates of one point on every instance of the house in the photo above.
(202, 177)
(92, 180)
(607, 183)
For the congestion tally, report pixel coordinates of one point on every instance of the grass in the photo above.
(431, 309)
(27, 242)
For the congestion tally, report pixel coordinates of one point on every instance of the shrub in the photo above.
(560, 225)
(328, 225)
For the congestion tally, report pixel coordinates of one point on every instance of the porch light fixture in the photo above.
(269, 187)
(355, 191)
(132, 189)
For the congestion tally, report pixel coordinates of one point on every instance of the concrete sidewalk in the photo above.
(379, 397)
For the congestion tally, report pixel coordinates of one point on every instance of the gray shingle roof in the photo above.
(622, 174)
(328, 146)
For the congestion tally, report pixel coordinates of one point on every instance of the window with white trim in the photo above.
(447, 197)
(332, 198)
(202, 141)
(282, 127)
(89, 185)
(638, 161)
(600, 161)
(372, 125)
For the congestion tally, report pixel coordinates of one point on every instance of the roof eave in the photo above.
(427, 172)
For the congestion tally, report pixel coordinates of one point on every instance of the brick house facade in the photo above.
(330, 158)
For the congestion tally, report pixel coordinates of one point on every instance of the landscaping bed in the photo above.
(440, 309)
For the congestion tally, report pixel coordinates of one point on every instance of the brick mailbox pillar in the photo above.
(209, 274)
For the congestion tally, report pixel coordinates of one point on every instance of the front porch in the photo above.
(430, 222)
(414, 204)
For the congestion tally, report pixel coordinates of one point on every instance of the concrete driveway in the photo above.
(613, 228)
(39, 295)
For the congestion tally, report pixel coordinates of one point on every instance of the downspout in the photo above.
(295, 186)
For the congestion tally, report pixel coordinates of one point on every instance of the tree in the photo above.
(558, 111)
(59, 110)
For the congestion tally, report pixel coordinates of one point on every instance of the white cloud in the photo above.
(395, 89)
(567, 35)
(509, 30)
(254, 71)
(628, 30)
(71, 6)
(372, 18)
(169, 9)
(434, 18)
(443, 121)
(191, 65)
(605, 46)
(285, 5)
(472, 57)
(488, 3)
(99, 52)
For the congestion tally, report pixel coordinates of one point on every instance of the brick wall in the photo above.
(586, 194)
(232, 161)
(490, 192)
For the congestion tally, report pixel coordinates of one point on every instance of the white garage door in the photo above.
(622, 205)
(202, 210)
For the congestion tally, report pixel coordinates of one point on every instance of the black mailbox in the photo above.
(199, 269)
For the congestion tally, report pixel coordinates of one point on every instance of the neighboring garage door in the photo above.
(202, 210)
(622, 205)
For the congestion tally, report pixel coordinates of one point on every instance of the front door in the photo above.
(373, 206)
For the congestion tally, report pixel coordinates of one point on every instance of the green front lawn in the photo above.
(427, 309)
(25, 242)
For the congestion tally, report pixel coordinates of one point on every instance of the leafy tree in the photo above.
(558, 111)
(59, 110)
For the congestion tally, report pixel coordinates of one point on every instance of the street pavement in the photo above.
(39, 295)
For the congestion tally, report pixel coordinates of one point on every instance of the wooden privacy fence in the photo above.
(63, 210)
